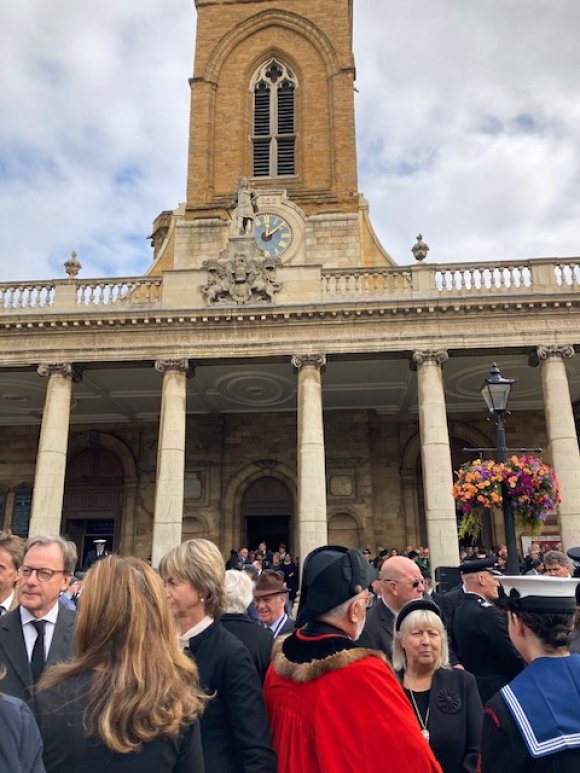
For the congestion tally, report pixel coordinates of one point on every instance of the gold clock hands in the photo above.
(273, 231)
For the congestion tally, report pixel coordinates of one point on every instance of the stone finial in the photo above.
(420, 249)
(72, 266)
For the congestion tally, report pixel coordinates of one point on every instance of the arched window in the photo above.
(274, 129)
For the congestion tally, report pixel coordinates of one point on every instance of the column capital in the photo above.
(543, 353)
(428, 357)
(64, 369)
(163, 366)
(300, 360)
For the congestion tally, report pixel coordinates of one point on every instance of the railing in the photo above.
(74, 293)
(365, 282)
(437, 281)
(416, 283)
(117, 292)
(24, 295)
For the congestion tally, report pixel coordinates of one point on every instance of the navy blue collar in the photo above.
(544, 701)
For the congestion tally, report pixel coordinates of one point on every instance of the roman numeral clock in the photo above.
(272, 233)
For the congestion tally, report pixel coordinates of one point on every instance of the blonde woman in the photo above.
(445, 700)
(234, 729)
(129, 700)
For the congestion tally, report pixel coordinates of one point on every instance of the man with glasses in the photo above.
(39, 631)
(400, 581)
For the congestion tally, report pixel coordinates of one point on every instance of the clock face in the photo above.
(272, 233)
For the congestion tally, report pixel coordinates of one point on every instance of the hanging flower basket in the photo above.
(531, 485)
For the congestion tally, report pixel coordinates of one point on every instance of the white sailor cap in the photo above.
(550, 595)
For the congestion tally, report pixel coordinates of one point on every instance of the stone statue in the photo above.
(245, 201)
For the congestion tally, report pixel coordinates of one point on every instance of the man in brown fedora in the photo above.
(270, 596)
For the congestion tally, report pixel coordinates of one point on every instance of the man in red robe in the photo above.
(333, 706)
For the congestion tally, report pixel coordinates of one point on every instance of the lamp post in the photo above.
(496, 391)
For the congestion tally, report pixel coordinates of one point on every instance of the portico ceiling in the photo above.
(387, 386)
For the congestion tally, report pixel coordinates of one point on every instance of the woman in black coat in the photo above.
(129, 700)
(445, 700)
(234, 728)
(20, 742)
(258, 640)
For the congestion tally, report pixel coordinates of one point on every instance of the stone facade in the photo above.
(322, 393)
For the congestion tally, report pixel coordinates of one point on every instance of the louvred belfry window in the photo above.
(274, 128)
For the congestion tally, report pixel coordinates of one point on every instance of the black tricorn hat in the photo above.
(331, 575)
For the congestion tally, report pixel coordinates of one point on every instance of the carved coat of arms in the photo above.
(240, 279)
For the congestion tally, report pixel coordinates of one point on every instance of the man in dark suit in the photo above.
(97, 554)
(11, 554)
(400, 581)
(270, 594)
(480, 634)
(38, 632)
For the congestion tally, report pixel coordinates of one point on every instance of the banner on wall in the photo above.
(546, 542)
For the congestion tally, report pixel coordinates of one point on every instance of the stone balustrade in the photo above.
(453, 280)
(26, 295)
(536, 277)
(73, 294)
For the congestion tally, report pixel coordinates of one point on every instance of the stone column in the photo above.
(48, 493)
(436, 456)
(562, 438)
(168, 516)
(312, 526)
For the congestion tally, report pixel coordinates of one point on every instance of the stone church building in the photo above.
(275, 375)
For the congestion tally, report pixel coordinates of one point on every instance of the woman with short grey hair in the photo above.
(257, 639)
(445, 700)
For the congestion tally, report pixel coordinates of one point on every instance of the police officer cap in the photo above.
(480, 565)
(548, 595)
(331, 575)
(574, 554)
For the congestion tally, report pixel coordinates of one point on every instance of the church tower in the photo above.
(272, 101)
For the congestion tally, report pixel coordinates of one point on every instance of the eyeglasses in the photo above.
(44, 575)
(413, 583)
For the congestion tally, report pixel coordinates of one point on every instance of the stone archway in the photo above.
(93, 499)
(345, 530)
(266, 511)
(194, 527)
(125, 533)
(233, 526)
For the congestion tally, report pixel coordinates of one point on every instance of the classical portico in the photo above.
(274, 372)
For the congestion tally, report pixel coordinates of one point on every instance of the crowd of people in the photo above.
(203, 664)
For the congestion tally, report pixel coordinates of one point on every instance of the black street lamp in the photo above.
(496, 391)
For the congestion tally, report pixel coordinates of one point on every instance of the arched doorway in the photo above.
(343, 530)
(267, 508)
(93, 499)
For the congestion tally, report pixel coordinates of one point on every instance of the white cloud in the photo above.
(467, 117)
(482, 102)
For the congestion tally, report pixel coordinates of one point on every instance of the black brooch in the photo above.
(449, 702)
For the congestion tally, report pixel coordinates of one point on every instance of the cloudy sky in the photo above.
(468, 128)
